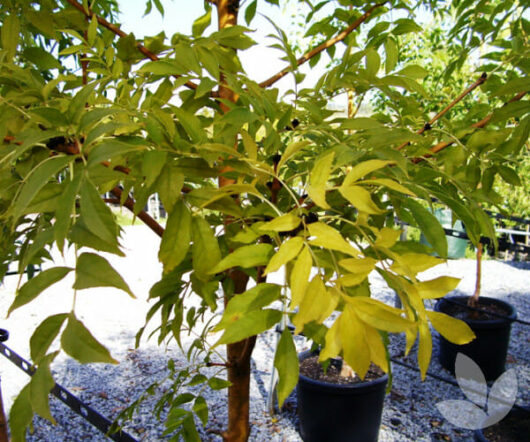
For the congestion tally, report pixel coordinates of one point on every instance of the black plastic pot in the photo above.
(490, 346)
(339, 413)
(519, 419)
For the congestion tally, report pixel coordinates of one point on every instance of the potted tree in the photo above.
(251, 183)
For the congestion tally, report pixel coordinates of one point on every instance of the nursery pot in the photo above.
(490, 346)
(339, 413)
(511, 429)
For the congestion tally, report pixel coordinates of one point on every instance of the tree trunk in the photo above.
(239, 353)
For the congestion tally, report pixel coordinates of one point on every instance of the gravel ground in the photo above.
(410, 413)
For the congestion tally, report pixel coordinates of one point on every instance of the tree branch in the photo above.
(440, 114)
(478, 125)
(116, 30)
(327, 44)
(144, 216)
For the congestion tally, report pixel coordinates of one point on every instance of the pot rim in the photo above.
(374, 383)
(486, 323)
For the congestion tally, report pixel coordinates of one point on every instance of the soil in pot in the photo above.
(490, 347)
(513, 428)
(333, 408)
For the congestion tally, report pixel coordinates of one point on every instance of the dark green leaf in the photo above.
(286, 362)
(95, 271)
(79, 343)
(44, 335)
(218, 383)
(176, 238)
(63, 214)
(34, 286)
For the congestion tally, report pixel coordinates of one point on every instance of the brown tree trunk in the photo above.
(239, 353)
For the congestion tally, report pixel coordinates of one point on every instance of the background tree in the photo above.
(251, 182)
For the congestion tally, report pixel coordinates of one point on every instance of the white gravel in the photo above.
(113, 317)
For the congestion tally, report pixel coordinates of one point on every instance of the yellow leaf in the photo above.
(355, 348)
(287, 251)
(284, 223)
(318, 179)
(378, 353)
(300, 277)
(362, 169)
(452, 329)
(355, 265)
(330, 238)
(387, 237)
(317, 304)
(424, 348)
(360, 198)
(333, 344)
(351, 280)
(438, 287)
(379, 315)
(410, 264)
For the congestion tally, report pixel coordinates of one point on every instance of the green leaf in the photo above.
(190, 123)
(20, 416)
(41, 58)
(218, 383)
(413, 71)
(436, 288)
(362, 169)
(329, 238)
(80, 235)
(205, 251)
(44, 335)
(109, 149)
(373, 62)
(429, 226)
(77, 105)
(287, 251)
(34, 286)
(40, 386)
(79, 343)
(169, 185)
(10, 35)
(95, 271)
(163, 68)
(246, 257)
(360, 198)
(200, 408)
(200, 25)
(286, 362)
(291, 150)
(391, 50)
(176, 238)
(250, 12)
(452, 329)
(253, 299)
(299, 279)
(36, 180)
(96, 215)
(92, 31)
(514, 86)
(250, 324)
(391, 184)
(250, 145)
(63, 214)
(283, 223)
(318, 179)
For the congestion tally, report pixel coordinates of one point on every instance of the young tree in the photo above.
(252, 182)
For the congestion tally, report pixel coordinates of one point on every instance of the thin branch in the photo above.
(116, 30)
(144, 216)
(478, 125)
(453, 103)
(322, 47)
